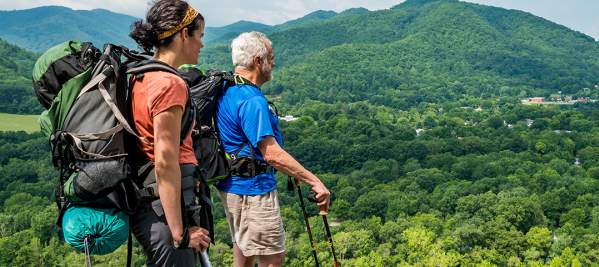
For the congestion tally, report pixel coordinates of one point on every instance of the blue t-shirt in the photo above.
(244, 116)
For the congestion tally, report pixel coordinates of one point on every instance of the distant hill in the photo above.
(427, 51)
(418, 51)
(38, 29)
(16, 95)
(215, 33)
(316, 16)
(223, 35)
(15, 61)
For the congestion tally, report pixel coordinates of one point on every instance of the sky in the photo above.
(580, 15)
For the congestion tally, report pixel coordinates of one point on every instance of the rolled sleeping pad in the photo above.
(108, 229)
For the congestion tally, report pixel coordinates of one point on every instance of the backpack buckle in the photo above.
(238, 79)
(231, 156)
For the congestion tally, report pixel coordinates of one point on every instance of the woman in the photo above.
(174, 31)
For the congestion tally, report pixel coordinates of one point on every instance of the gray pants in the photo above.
(155, 237)
(149, 226)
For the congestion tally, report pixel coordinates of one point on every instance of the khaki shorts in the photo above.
(255, 223)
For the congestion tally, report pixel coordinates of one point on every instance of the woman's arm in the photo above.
(167, 131)
(167, 128)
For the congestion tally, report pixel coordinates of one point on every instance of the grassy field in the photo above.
(13, 122)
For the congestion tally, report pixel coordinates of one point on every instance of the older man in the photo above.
(249, 130)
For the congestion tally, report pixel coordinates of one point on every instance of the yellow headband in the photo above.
(189, 17)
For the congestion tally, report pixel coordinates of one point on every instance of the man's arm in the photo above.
(278, 158)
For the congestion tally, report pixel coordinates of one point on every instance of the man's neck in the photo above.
(250, 75)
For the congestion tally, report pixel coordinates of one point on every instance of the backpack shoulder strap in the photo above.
(138, 69)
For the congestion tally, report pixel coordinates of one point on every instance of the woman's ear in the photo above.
(184, 34)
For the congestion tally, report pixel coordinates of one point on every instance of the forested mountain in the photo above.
(16, 95)
(38, 29)
(412, 117)
(316, 16)
(227, 32)
(427, 51)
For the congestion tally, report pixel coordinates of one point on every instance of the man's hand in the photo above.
(323, 196)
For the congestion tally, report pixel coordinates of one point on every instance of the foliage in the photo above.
(417, 129)
(15, 85)
(12, 122)
(457, 194)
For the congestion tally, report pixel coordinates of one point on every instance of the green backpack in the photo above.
(87, 96)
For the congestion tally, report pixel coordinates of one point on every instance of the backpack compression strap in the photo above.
(139, 68)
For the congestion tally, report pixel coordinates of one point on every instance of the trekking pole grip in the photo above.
(322, 210)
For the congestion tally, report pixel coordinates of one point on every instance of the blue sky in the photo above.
(580, 15)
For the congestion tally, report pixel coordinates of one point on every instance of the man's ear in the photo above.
(257, 61)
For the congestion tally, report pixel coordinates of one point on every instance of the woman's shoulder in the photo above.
(163, 79)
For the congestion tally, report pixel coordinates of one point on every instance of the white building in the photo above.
(288, 118)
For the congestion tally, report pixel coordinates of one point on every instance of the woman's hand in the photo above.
(199, 238)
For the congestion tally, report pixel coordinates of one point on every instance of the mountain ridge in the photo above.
(445, 41)
(419, 50)
(40, 28)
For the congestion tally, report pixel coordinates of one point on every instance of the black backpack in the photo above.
(214, 163)
(205, 91)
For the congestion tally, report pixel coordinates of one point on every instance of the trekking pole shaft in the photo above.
(204, 260)
(330, 238)
(312, 244)
(88, 259)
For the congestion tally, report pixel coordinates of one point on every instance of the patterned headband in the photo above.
(189, 17)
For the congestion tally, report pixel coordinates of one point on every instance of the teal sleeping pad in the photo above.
(108, 229)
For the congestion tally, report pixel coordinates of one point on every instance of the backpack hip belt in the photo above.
(149, 191)
(248, 167)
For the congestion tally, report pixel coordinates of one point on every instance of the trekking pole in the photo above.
(323, 212)
(195, 212)
(204, 260)
(88, 259)
(329, 236)
(312, 243)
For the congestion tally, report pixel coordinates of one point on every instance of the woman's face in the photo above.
(194, 43)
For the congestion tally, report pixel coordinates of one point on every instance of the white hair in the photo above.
(248, 46)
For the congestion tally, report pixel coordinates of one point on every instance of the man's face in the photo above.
(268, 64)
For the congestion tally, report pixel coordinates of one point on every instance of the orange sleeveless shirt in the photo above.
(156, 92)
